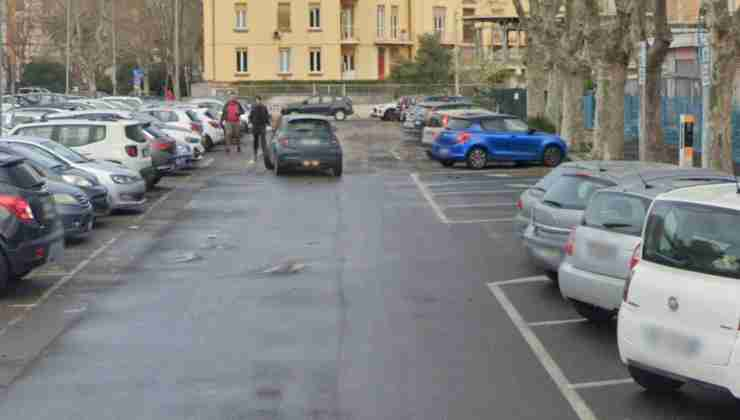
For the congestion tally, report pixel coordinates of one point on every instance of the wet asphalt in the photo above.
(249, 296)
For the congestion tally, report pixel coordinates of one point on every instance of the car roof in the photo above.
(466, 113)
(718, 195)
(79, 122)
(9, 159)
(291, 117)
(657, 182)
(485, 113)
(624, 172)
(25, 139)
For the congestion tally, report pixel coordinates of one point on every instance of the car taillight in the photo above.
(214, 124)
(463, 138)
(284, 141)
(196, 128)
(163, 145)
(519, 204)
(445, 121)
(132, 151)
(18, 206)
(634, 260)
(570, 246)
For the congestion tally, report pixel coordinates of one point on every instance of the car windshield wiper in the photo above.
(616, 225)
(553, 203)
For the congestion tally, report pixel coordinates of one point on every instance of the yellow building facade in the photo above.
(315, 40)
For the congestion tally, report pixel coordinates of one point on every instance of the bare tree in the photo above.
(24, 23)
(724, 29)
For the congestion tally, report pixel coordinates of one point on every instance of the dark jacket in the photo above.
(259, 117)
(226, 108)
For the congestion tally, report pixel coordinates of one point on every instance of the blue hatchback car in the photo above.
(480, 138)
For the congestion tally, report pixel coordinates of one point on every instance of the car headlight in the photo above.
(124, 179)
(77, 180)
(65, 199)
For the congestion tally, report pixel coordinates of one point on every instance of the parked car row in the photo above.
(62, 168)
(657, 247)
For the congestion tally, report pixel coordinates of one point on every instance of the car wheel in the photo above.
(278, 170)
(477, 158)
(338, 169)
(208, 143)
(388, 115)
(4, 273)
(553, 276)
(447, 163)
(654, 382)
(552, 156)
(592, 313)
(340, 115)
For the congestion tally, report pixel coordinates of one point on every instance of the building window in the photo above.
(440, 16)
(381, 22)
(348, 62)
(242, 61)
(394, 22)
(314, 16)
(468, 27)
(284, 17)
(285, 60)
(241, 16)
(315, 61)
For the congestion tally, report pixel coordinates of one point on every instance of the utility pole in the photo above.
(456, 55)
(177, 50)
(704, 58)
(69, 40)
(115, 46)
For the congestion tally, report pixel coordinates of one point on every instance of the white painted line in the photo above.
(75, 310)
(499, 175)
(481, 205)
(598, 384)
(208, 162)
(582, 410)
(22, 306)
(558, 322)
(519, 185)
(480, 221)
(442, 184)
(395, 154)
(533, 279)
(430, 200)
(476, 192)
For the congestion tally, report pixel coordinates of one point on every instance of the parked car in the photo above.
(415, 122)
(116, 141)
(387, 112)
(30, 226)
(213, 132)
(438, 122)
(340, 107)
(167, 157)
(180, 117)
(21, 116)
(131, 101)
(562, 207)
(478, 139)
(183, 136)
(93, 103)
(126, 188)
(678, 321)
(304, 142)
(55, 170)
(595, 268)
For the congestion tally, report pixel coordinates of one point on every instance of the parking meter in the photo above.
(686, 141)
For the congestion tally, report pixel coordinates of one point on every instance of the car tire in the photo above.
(447, 163)
(4, 273)
(340, 115)
(338, 169)
(477, 158)
(278, 170)
(553, 276)
(591, 312)
(388, 115)
(654, 382)
(552, 156)
(208, 143)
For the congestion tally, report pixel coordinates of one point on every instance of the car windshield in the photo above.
(155, 131)
(309, 129)
(135, 132)
(458, 124)
(65, 152)
(617, 212)
(693, 237)
(193, 116)
(545, 183)
(573, 192)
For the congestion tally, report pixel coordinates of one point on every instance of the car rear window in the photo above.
(317, 129)
(156, 132)
(693, 237)
(135, 133)
(573, 192)
(615, 212)
(193, 116)
(21, 175)
(458, 124)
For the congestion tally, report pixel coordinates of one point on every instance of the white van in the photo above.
(680, 316)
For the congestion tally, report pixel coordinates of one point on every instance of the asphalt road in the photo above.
(396, 292)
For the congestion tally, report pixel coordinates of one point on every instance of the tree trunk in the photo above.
(720, 106)
(536, 80)
(608, 139)
(554, 105)
(572, 128)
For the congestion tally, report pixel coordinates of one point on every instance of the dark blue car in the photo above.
(478, 139)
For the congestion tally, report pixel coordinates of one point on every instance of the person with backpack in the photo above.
(259, 118)
(231, 121)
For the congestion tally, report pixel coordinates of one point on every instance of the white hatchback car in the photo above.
(680, 316)
(116, 141)
(183, 118)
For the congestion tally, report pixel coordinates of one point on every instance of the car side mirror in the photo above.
(531, 131)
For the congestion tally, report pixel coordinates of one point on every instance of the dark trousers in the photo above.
(259, 139)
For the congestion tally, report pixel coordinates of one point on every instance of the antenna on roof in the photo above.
(647, 186)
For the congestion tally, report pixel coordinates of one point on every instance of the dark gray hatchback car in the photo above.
(304, 142)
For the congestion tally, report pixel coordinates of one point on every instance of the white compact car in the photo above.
(680, 316)
(385, 111)
(116, 141)
(212, 130)
(181, 117)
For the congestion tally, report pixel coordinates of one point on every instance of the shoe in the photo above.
(251, 162)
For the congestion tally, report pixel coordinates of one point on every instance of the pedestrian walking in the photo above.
(231, 121)
(259, 118)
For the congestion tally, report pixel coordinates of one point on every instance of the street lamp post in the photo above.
(704, 57)
(67, 67)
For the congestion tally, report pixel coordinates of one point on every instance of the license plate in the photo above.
(670, 341)
(444, 152)
(310, 142)
(550, 253)
(56, 252)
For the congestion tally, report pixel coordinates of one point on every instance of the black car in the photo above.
(163, 149)
(31, 229)
(337, 106)
(74, 208)
(57, 170)
(304, 142)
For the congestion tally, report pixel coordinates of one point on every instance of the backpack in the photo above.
(232, 112)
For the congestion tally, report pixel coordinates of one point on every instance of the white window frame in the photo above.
(380, 21)
(240, 11)
(284, 60)
(315, 64)
(314, 16)
(242, 60)
(394, 22)
(440, 19)
(348, 62)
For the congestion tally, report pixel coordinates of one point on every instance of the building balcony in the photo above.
(401, 38)
(348, 36)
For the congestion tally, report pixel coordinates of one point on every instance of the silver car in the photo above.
(562, 206)
(125, 187)
(598, 252)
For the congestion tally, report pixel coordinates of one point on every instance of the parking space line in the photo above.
(442, 184)
(481, 205)
(522, 280)
(598, 384)
(428, 196)
(208, 162)
(477, 192)
(453, 222)
(559, 322)
(582, 410)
